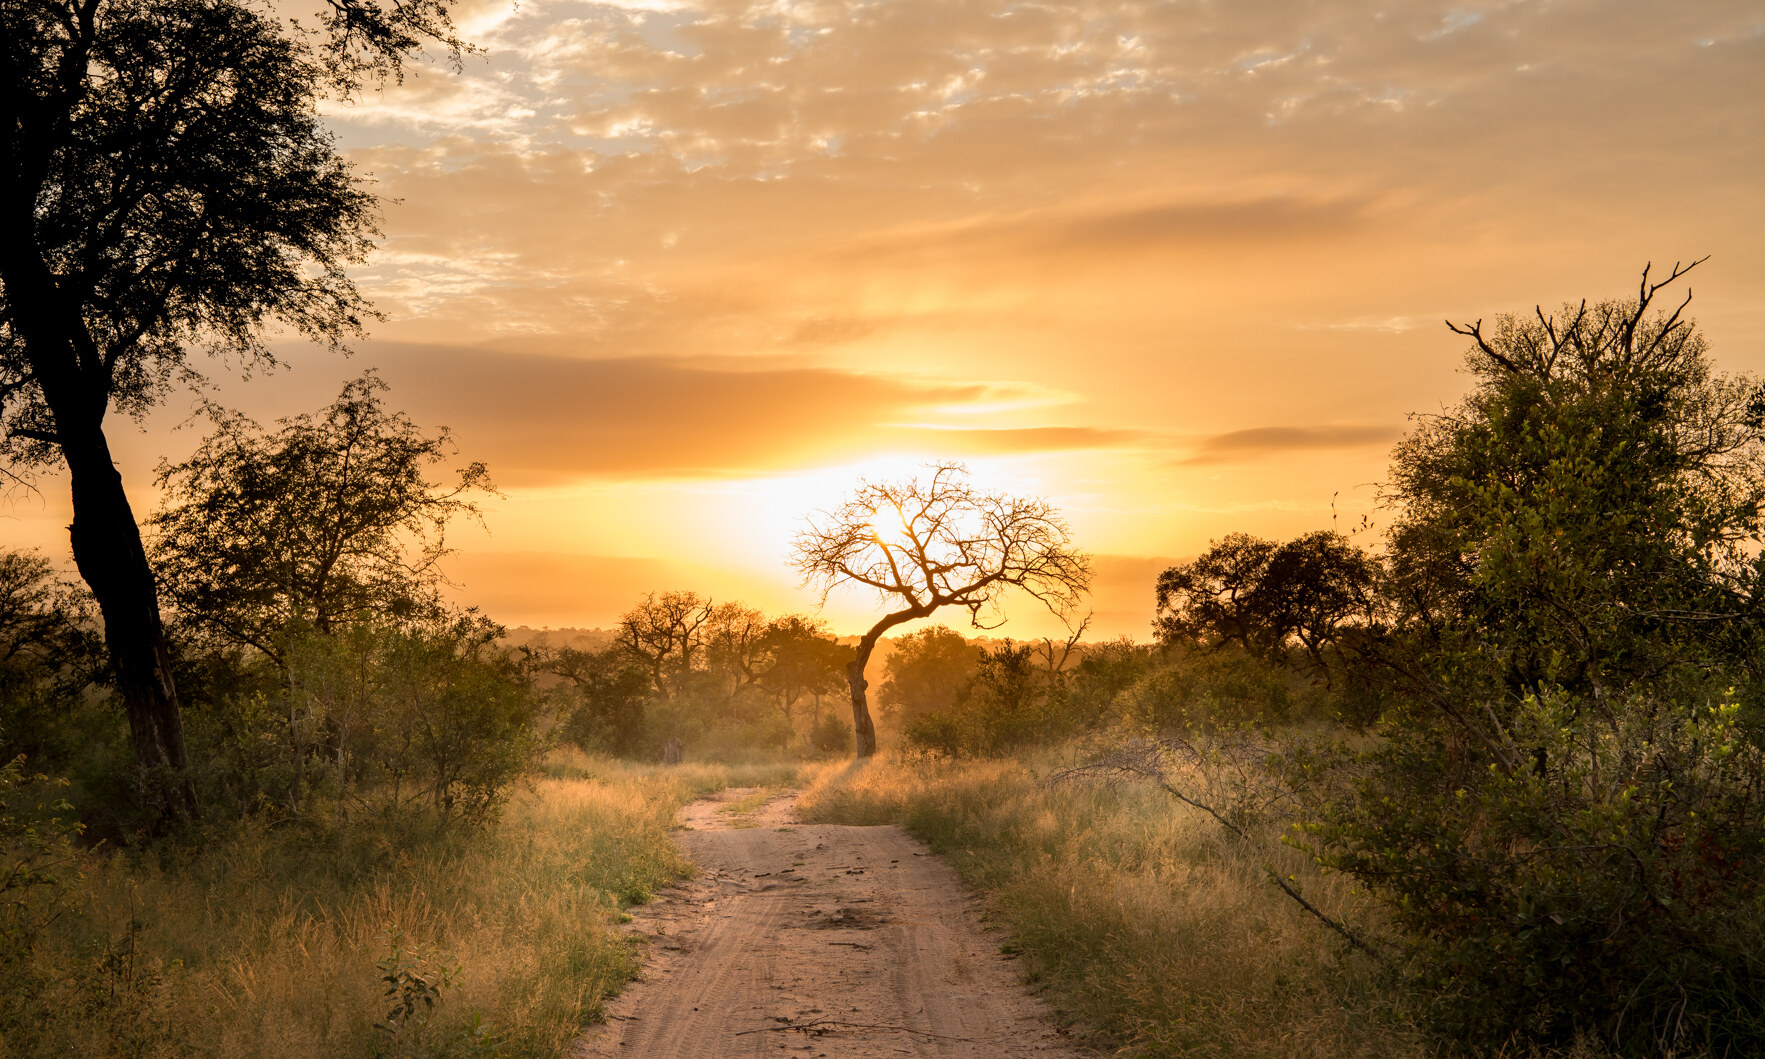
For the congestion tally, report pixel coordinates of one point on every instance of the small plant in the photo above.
(415, 981)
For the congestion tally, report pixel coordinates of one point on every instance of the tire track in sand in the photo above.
(818, 940)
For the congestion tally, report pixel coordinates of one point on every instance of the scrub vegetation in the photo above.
(384, 935)
(1149, 927)
(1486, 780)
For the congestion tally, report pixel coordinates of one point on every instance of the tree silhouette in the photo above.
(1266, 597)
(667, 632)
(329, 519)
(166, 185)
(932, 542)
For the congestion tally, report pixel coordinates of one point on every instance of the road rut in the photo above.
(819, 940)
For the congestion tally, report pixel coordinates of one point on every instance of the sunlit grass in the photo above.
(1151, 930)
(262, 942)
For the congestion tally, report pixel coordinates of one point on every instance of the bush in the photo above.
(1565, 812)
(431, 715)
(1226, 687)
(1010, 702)
(831, 734)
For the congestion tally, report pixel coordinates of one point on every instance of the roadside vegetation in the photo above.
(384, 935)
(1149, 928)
(1502, 760)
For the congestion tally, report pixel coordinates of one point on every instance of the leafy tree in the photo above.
(613, 692)
(325, 521)
(802, 659)
(736, 654)
(1567, 811)
(1215, 598)
(1268, 598)
(1106, 670)
(166, 185)
(933, 542)
(926, 672)
(1009, 701)
(666, 633)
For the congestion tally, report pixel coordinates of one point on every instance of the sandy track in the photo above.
(817, 939)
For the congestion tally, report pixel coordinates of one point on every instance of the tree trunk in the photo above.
(863, 729)
(108, 551)
(107, 548)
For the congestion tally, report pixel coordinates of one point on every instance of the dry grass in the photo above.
(265, 943)
(1152, 931)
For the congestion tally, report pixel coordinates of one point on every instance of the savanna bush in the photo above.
(1565, 808)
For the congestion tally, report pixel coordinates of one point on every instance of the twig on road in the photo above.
(815, 1027)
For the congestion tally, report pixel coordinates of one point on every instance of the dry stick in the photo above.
(812, 1023)
(1326, 920)
(1172, 790)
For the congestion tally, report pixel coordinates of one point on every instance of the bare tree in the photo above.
(932, 542)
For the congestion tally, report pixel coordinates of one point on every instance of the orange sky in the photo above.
(680, 272)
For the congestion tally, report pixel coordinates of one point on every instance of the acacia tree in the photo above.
(667, 633)
(326, 520)
(165, 184)
(932, 542)
(1267, 596)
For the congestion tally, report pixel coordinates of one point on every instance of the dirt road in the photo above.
(817, 940)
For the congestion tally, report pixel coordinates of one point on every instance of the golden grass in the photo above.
(1152, 932)
(265, 942)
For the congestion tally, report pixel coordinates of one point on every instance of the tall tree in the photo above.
(932, 542)
(1566, 808)
(165, 184)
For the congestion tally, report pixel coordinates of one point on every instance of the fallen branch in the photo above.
(1326, 920)
(815, 1024)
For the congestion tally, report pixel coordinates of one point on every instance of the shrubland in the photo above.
(386, 934)
(1150, 928)
(1522, 723)
(1488, 782)
(392, 846)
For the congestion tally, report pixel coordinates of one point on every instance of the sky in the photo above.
(682, 273)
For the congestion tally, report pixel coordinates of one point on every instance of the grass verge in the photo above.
(1151, 931)
(281, 941)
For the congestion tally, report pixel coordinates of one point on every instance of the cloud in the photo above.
(1257, 443)
(538, 419)
(1003, 440)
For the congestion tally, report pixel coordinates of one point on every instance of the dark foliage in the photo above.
(1566, 811)
(166, 186)
(328, 520)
